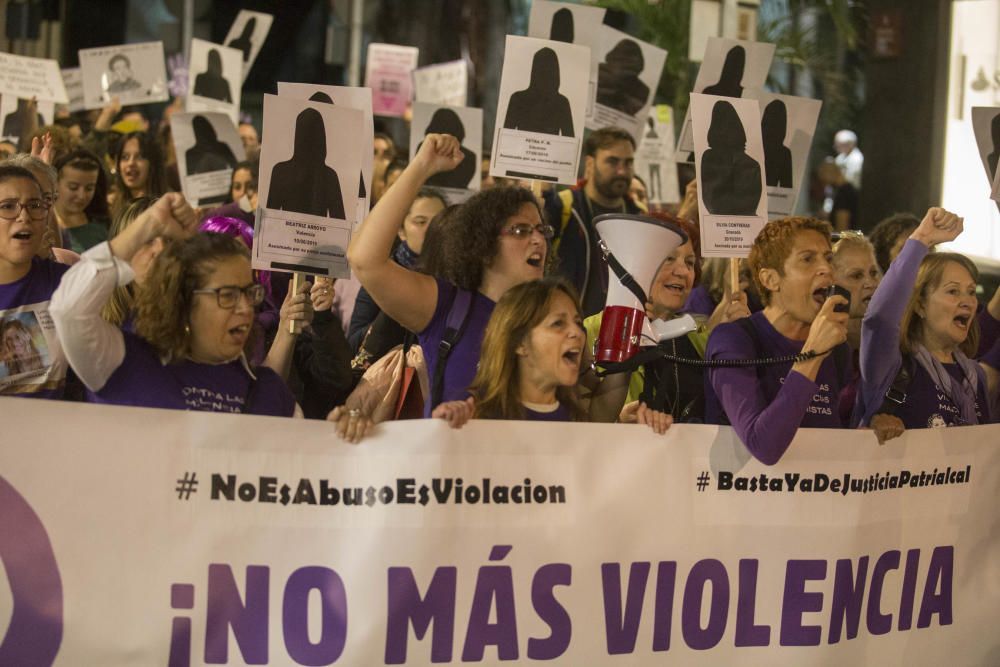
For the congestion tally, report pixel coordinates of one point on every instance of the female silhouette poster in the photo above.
(730, 67)
(134, 73)
(627, 76)
(541, 109)
(729, 163)
(787, 127)
(208, 146)
(214, 79)
(573, 24)
(247, 35)
(986, 128)
(310, 164)
(466, 125)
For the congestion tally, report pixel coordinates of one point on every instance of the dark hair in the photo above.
(476, 238)
(83, 160)
(397, 164)
(9, 171)
(605, 138)
(885, 234)
(250, 165)
(431, 260)
(119, 57)
(149, 149)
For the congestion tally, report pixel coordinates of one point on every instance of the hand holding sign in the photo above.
(439, 152)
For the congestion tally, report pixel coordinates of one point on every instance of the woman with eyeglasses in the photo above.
(26, 285)
(499, 241)
(193, 315)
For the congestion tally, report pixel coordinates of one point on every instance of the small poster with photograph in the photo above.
(208, 147)
(787, 126)
(627, 76)
(730, 68)
(654, 159)
(310, 163)
(466, 125)
(352, 98)
(134, 73)
(214, 79)
(31, 358)
(13, 113)
(73, 80)
(247, 35)
(541, 110)
(571, 23)
(389, 73)
(444, 83)
(26, 77)
(729, 163)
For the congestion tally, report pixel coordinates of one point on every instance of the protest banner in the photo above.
(208, 147)
(466, 125)
(310, 166)
(214, 79)
(134, 73)
(541, 110)
(654, 159)
(389, 73)
(233, 539)
(729, 163)
(445, 84)
(27, 77)
(247, 34)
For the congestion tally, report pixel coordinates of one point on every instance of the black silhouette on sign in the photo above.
(208, 153)
(211, 83)
(304, 183)
(446, 121)
(562, 26)
(730, 179)
(244, 42)
(618, 82)
(540, 107)
(777, 156)
(731, 80)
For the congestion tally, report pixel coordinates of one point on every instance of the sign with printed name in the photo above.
(310, 165)
(445, 83)
(247, 35)
(214, 79)
(729, 163)
(464, 124)
(234, 539)
(541, 110)
(389, 73)
(654, 159)
(27, 77)
(134, 73)
(208, 148)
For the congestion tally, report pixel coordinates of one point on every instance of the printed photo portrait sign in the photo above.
(134, 73)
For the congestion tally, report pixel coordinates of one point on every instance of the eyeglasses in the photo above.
(523, 230)
(228, 296)
(11, 208)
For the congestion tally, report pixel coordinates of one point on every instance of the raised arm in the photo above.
(406, 296)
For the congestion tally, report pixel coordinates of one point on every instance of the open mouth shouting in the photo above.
(239, 333)
(963, 321)
(819, 295)
(536, 259)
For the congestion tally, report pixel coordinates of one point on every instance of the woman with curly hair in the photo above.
(192, 319)
(498, 240)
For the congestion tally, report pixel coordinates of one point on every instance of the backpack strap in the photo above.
(895, 395)
(458, 318)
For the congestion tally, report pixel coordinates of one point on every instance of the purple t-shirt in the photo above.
(560, 414)
(927, 406)
(766, 409)
(464, 357)
(32, 364)
(700, 302)
(144, 381)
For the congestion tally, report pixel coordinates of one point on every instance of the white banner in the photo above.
(230, 540)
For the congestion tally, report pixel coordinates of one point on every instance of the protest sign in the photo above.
(574, 24)
(466, 125)
(352, 98)
(729, 163)
(25, 77)
(208, 147)
(13, 111)
(73, 80)
(445, 83)
(787, 127)
(730, 67)
(134, 73)
(310, 164)
(234, 539)
(247, 35)
(654, 159)
(541, 109)
(986, 128)
(627, 77)
(389, 73)
(214, 82)
(706, 22)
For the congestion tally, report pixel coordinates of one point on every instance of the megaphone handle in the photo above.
(734, 276)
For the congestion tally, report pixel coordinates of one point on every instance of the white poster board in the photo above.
(27, 77)
(627, 77)
(208, 146)
(73, 80)
(787, 127)
(134, 73)
(214, 79)
(465, 124)
(12, 116)
(444, 83)
(730, 68)
(541, 110)
(706, 22)
(654, 159)
(352, 98)
(389, 73)
(247, 35)
(574, 24)
(729, 163)
(310, 163)
(986, 128)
